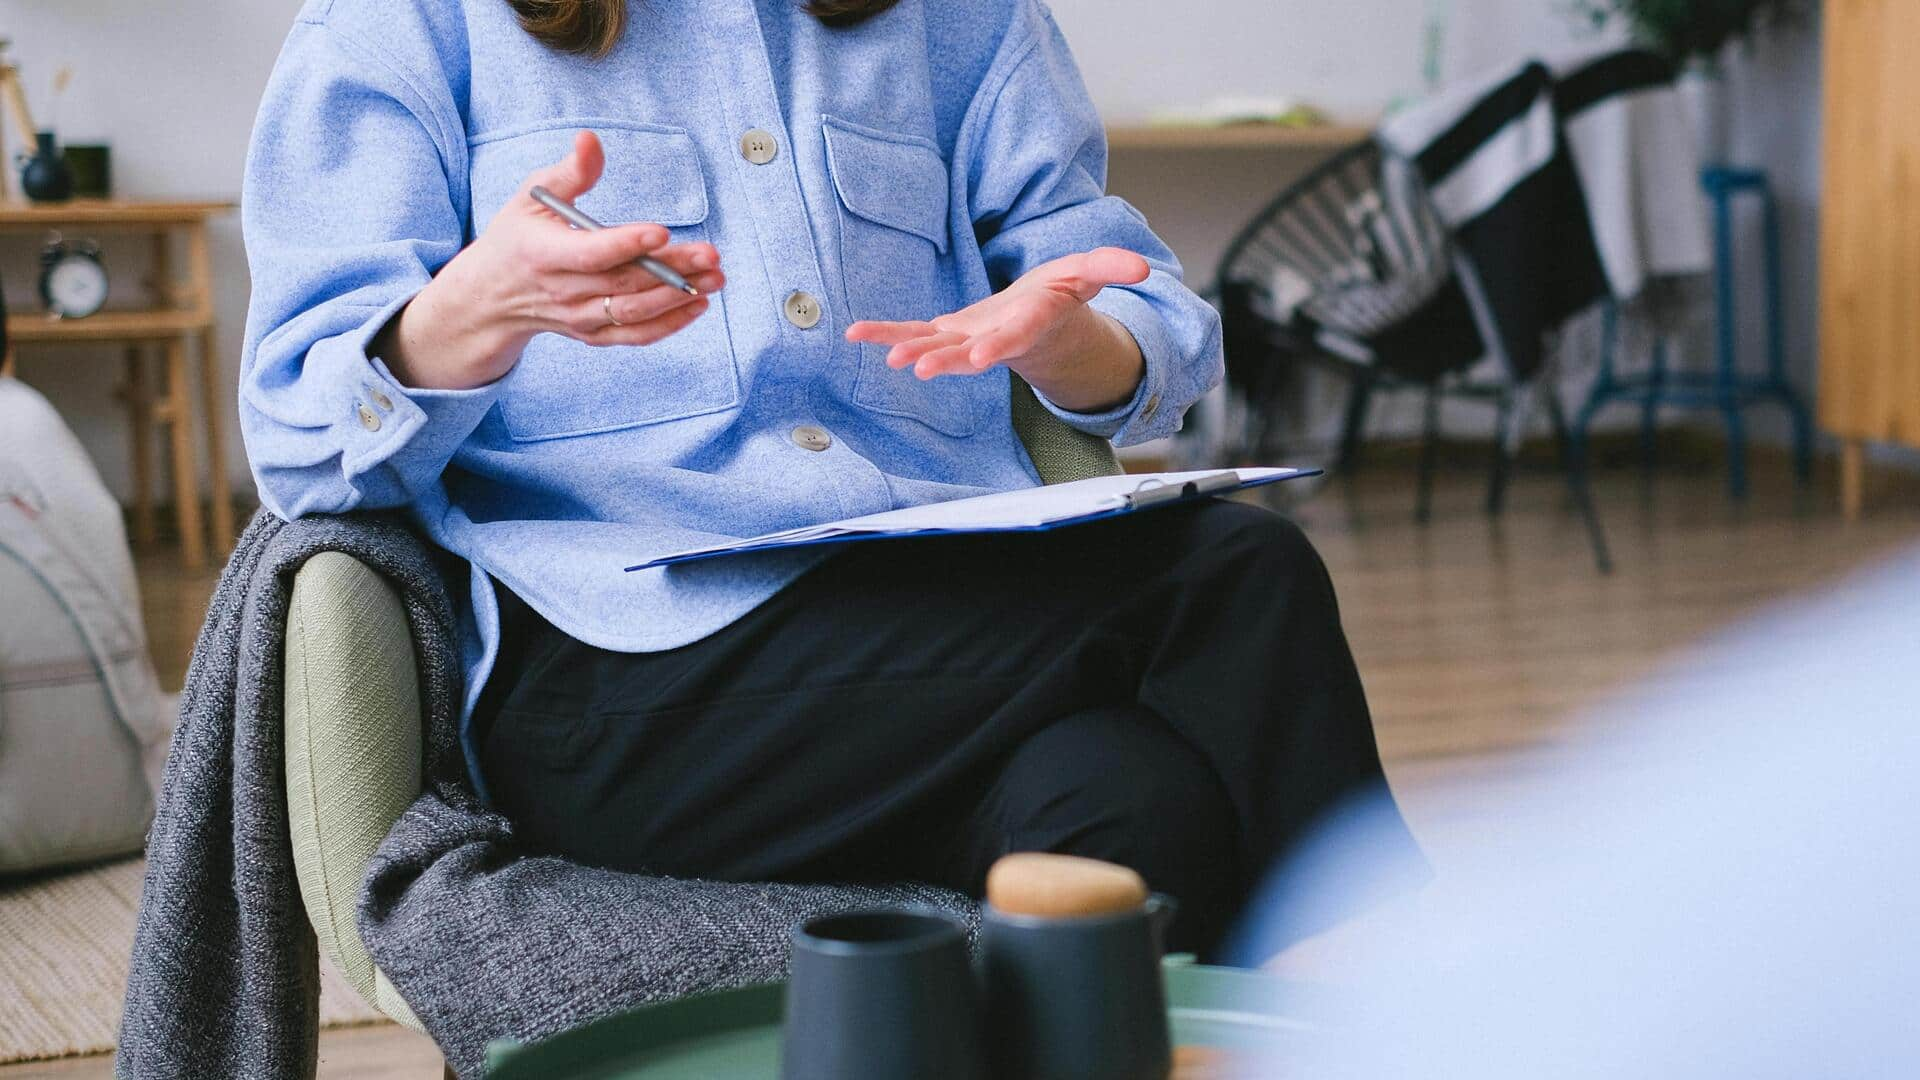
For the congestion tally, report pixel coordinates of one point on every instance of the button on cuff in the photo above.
(414, 432)
(421, 430)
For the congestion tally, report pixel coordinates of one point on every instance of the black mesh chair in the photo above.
(1350, 268)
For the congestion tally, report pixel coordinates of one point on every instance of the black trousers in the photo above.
(1170, 691)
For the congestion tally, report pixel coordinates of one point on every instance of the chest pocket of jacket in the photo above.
(893, 224)
(564, 388)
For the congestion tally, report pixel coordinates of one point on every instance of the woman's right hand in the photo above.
(530, 273)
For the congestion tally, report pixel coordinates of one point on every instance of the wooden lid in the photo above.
(1033, 883)
(1212, 1063)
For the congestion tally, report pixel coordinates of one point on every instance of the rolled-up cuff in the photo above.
(1140, 419)
(382, 421)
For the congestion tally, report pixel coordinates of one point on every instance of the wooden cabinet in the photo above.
(1870, 231)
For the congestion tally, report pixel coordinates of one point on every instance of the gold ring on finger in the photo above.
(606, 304)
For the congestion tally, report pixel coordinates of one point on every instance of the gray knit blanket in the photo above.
(483, 940)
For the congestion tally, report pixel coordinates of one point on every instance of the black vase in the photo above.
(44, 175)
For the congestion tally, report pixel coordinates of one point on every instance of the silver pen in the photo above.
(571, 215)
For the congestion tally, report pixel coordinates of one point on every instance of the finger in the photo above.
(598, 252)
(651, 331)
(691, 260)
(909, 353)
(574, 311)
(631, 309)
(575, 174)
(707, 281)
(1116, 266)
(688, 258)
(1084, 275)
(658, 299)
(950, 360)
(997, 347)
(888, 333)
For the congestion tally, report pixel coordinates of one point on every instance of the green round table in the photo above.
(735, 1034)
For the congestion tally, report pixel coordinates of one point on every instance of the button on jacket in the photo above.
(900, 169)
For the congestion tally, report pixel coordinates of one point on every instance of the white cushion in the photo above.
(83, 724)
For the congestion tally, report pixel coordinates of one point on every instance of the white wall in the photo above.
(1349, 57)
(1776, 85)
(1353, 57)
(173, 87)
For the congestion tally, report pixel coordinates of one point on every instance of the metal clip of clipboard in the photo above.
(1159, 492)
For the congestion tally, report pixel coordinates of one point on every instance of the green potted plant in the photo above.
(1694, 34)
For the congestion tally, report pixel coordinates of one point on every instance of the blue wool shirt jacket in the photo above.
(922, 160)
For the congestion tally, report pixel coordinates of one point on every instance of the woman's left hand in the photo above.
(1040, 327)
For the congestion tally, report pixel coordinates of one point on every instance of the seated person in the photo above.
(907, 198)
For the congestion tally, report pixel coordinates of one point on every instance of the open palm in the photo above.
(1008, 327)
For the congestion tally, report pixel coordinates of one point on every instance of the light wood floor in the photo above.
(1481, 642)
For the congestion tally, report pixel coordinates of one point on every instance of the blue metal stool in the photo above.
(1724, 388)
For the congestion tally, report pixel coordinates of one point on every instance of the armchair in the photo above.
(353, 720)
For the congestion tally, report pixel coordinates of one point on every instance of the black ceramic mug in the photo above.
(1071, 997)
(882, 995)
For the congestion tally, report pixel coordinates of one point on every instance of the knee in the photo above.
(1252, 536)
(1173, 810)
(1127, 789)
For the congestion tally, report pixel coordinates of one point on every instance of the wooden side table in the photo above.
(178, 317)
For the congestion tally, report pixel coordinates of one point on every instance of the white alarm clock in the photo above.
(73, 280)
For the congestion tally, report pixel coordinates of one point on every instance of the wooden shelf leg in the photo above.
(215, 406)
(213, 403)
(186, 471)
(1853, 467)
(140, 431)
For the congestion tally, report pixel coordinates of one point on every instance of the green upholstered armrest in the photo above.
(353, 746)
(1060, 452)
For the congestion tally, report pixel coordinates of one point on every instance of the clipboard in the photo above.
(1155, 491)
(1038, 509)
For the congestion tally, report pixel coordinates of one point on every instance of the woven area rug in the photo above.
(63, 964)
